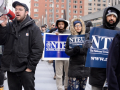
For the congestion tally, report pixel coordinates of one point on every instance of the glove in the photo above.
(87, 44)
(76, 49)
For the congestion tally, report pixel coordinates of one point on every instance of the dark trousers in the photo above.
(17, 80)
(54, 66)
(1, 77)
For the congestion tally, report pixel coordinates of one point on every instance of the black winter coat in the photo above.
(77, 62)
(23, 45)
(98, 75)
(113, 64)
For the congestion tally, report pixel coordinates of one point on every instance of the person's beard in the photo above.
(21, 18)
(110, 23)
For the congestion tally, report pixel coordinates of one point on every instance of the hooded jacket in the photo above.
(77, 61)
(66, 25)
(113, 64)
(23, 45)
(98, 75)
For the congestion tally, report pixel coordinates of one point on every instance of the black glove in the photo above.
(87, 44)
(76, 49)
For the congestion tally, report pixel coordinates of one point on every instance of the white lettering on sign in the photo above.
(55, 46)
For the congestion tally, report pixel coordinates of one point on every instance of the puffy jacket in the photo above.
(23, 45)
(98, 75)
(77, 61)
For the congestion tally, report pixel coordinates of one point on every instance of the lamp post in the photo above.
(46, 16)
(53, 10)
(67, 10)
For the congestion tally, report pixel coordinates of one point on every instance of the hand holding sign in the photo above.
(76, 49)
(87, 44)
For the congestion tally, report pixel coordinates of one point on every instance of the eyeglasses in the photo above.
(77, 25)
(20, 9)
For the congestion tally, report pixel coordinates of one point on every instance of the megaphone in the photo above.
(5, 10)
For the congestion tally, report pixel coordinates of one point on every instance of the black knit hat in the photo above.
(112, 11)
(21, 4)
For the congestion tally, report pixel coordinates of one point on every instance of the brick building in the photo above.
(40, 9)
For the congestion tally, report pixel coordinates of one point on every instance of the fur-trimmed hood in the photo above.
(72, 29)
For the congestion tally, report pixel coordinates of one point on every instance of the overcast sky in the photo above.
(27, 2)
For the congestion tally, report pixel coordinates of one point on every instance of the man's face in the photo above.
(43, 29)
(20, 13)
(111, 19)
(53, 26)
(61, 25)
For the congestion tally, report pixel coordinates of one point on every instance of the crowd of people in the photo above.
(23, 47)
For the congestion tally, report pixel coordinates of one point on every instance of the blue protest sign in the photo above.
(54, 47)
(76, 40)
(98, 52)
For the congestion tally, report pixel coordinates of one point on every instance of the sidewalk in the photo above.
(44, 78)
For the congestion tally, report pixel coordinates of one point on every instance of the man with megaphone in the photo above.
(23, 47)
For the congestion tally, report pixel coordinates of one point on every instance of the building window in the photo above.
(45, 5)
(98, 9)
(69, 11)
(89, 12)
(62, 1)
(98, 0)
(50, 20)
(75, 1)
(62, 11)
(51, 0)
(57, 5)
(69, 1)
(69, 6)
(57, 16)
(94, 4)
(104, 5)
(94, 8)
(57, 0)
(35, 15)
(98, 4)
(61, 16)
(35, 10)
(81, 7)
(80, 12)
(104, 0)
(74, 6)
(50, 15)
(90, 8)
(50, 10)
(46, 0)
(74, 16)
(75, 11)
(35, 0)
(50, 5)
(89, 4)
(62, 6)
(94, 0)
(57, 11)
(80, 2)
(36, 4)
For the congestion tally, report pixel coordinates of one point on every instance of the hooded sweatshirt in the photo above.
(98, 75)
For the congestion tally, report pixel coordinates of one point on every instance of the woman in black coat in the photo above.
(77, 72)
